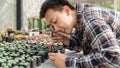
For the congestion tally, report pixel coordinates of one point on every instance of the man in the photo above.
(97, 32)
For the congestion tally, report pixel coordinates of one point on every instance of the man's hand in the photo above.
(59, 37)
(58, 59)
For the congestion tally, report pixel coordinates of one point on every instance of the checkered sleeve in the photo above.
(104, 44)
(74, 40)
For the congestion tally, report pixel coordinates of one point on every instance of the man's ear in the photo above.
(67, 9)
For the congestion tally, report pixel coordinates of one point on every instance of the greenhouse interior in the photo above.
(26, 39)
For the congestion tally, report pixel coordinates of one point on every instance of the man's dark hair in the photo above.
(54, 4)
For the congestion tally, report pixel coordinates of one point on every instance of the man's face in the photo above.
(60, 20)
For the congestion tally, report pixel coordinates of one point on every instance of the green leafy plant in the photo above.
(118, 5)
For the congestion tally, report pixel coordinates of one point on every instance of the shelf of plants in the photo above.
(28, 53)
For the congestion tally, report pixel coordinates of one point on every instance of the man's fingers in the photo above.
(58, 51)
(54, 38)
(57, 41)
(51, 54)
(52, 58)
(55, 34)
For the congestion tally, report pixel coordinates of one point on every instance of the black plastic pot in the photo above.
(32, 62)
(38, 60)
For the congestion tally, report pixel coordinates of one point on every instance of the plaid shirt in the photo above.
(98, 34)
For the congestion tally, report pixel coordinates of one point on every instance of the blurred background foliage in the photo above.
(110, 4)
